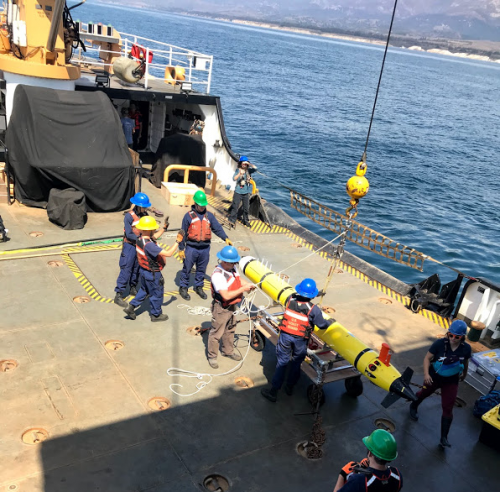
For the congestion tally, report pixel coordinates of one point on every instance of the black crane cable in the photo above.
(380, 79)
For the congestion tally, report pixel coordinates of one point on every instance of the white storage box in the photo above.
(179, 193)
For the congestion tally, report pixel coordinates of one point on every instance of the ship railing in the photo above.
(197, 66)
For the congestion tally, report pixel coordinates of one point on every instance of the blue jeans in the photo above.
(129, 268)
(195, 256)
(293, 350)
(152, 285)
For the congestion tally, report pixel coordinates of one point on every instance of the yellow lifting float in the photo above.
(357, 187)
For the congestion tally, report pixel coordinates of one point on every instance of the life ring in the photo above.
(174, 74)
(127, 69)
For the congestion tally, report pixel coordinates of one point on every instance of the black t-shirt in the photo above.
(446, 361)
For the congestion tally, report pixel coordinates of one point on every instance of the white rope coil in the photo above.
(206, 378)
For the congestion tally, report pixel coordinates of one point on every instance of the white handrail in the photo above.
(168, 55)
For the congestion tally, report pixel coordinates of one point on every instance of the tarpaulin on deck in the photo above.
(65, 139)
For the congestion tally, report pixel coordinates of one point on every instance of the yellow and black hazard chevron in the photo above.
(92, 291)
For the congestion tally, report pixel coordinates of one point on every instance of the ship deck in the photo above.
(93, 401)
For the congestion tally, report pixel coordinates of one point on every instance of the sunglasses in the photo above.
(451, 335)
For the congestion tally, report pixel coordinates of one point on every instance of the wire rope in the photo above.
(379, 80)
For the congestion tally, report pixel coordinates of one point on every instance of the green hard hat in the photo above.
(382, 445)
(200, 198)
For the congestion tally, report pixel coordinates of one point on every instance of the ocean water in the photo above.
(299, 107)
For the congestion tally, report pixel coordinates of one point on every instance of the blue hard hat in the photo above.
(243, 158)
(458, 327)
(229, 254)
(141, 200)
(307, 288)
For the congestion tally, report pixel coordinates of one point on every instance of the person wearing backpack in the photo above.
(445, 365)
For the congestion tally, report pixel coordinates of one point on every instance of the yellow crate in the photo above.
(179, 193)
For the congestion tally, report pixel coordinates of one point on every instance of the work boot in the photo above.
(233, 356)
(445, 428)
(160, 317)
(213, 363)
(289, 390)
(120, 301)
(133, 290)
(270, 394)
(246, 223)
(413, 410)
(184, 293)
(199, 291)
(130, 311)
(231, 225)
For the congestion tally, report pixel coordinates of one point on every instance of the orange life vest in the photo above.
(145, 261)
(199, 230)
(296, 318)
(234, 283)
(135, 221)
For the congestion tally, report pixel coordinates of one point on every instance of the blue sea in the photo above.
(299, 107)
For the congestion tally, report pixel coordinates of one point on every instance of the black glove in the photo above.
(166, 224)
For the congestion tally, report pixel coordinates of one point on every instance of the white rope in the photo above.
(245, 308)
(196, 310)
(313, 253)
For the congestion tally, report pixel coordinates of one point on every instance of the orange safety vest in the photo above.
(199, 230)
(145, 261)
(135, 221)
(296, 318)
(234, 283)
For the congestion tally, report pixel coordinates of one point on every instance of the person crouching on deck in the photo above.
(151, 260)
(197, 225)
(227, 293)
(129, 266)
(295, 329)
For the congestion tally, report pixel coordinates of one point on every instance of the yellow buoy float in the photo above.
(174, 74)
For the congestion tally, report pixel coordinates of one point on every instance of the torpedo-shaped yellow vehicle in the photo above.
(376, 367)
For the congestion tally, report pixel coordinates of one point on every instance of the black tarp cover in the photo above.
(65, 139)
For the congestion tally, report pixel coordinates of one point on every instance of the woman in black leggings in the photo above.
(445, 364)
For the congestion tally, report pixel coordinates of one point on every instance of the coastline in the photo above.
(490, 49)
(345, 37)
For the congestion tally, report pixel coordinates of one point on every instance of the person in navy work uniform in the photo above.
(197, 226)
(373, 473)
(242, 190)
(151, 260)
(445, 364)
(295, 329)
(129, 267)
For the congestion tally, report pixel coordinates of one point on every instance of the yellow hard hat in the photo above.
(147, 224)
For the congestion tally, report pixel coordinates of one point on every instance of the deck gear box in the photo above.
(179, 193)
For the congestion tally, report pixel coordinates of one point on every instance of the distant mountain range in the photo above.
(452, 19)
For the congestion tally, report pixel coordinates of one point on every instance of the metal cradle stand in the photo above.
(322, 365)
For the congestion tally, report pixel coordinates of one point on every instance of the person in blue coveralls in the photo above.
(197, 226)
(242, 190)
(128, 125)
(445, 364)
(151, 260)
(295, 330)
(129, 267)
(373, 473)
